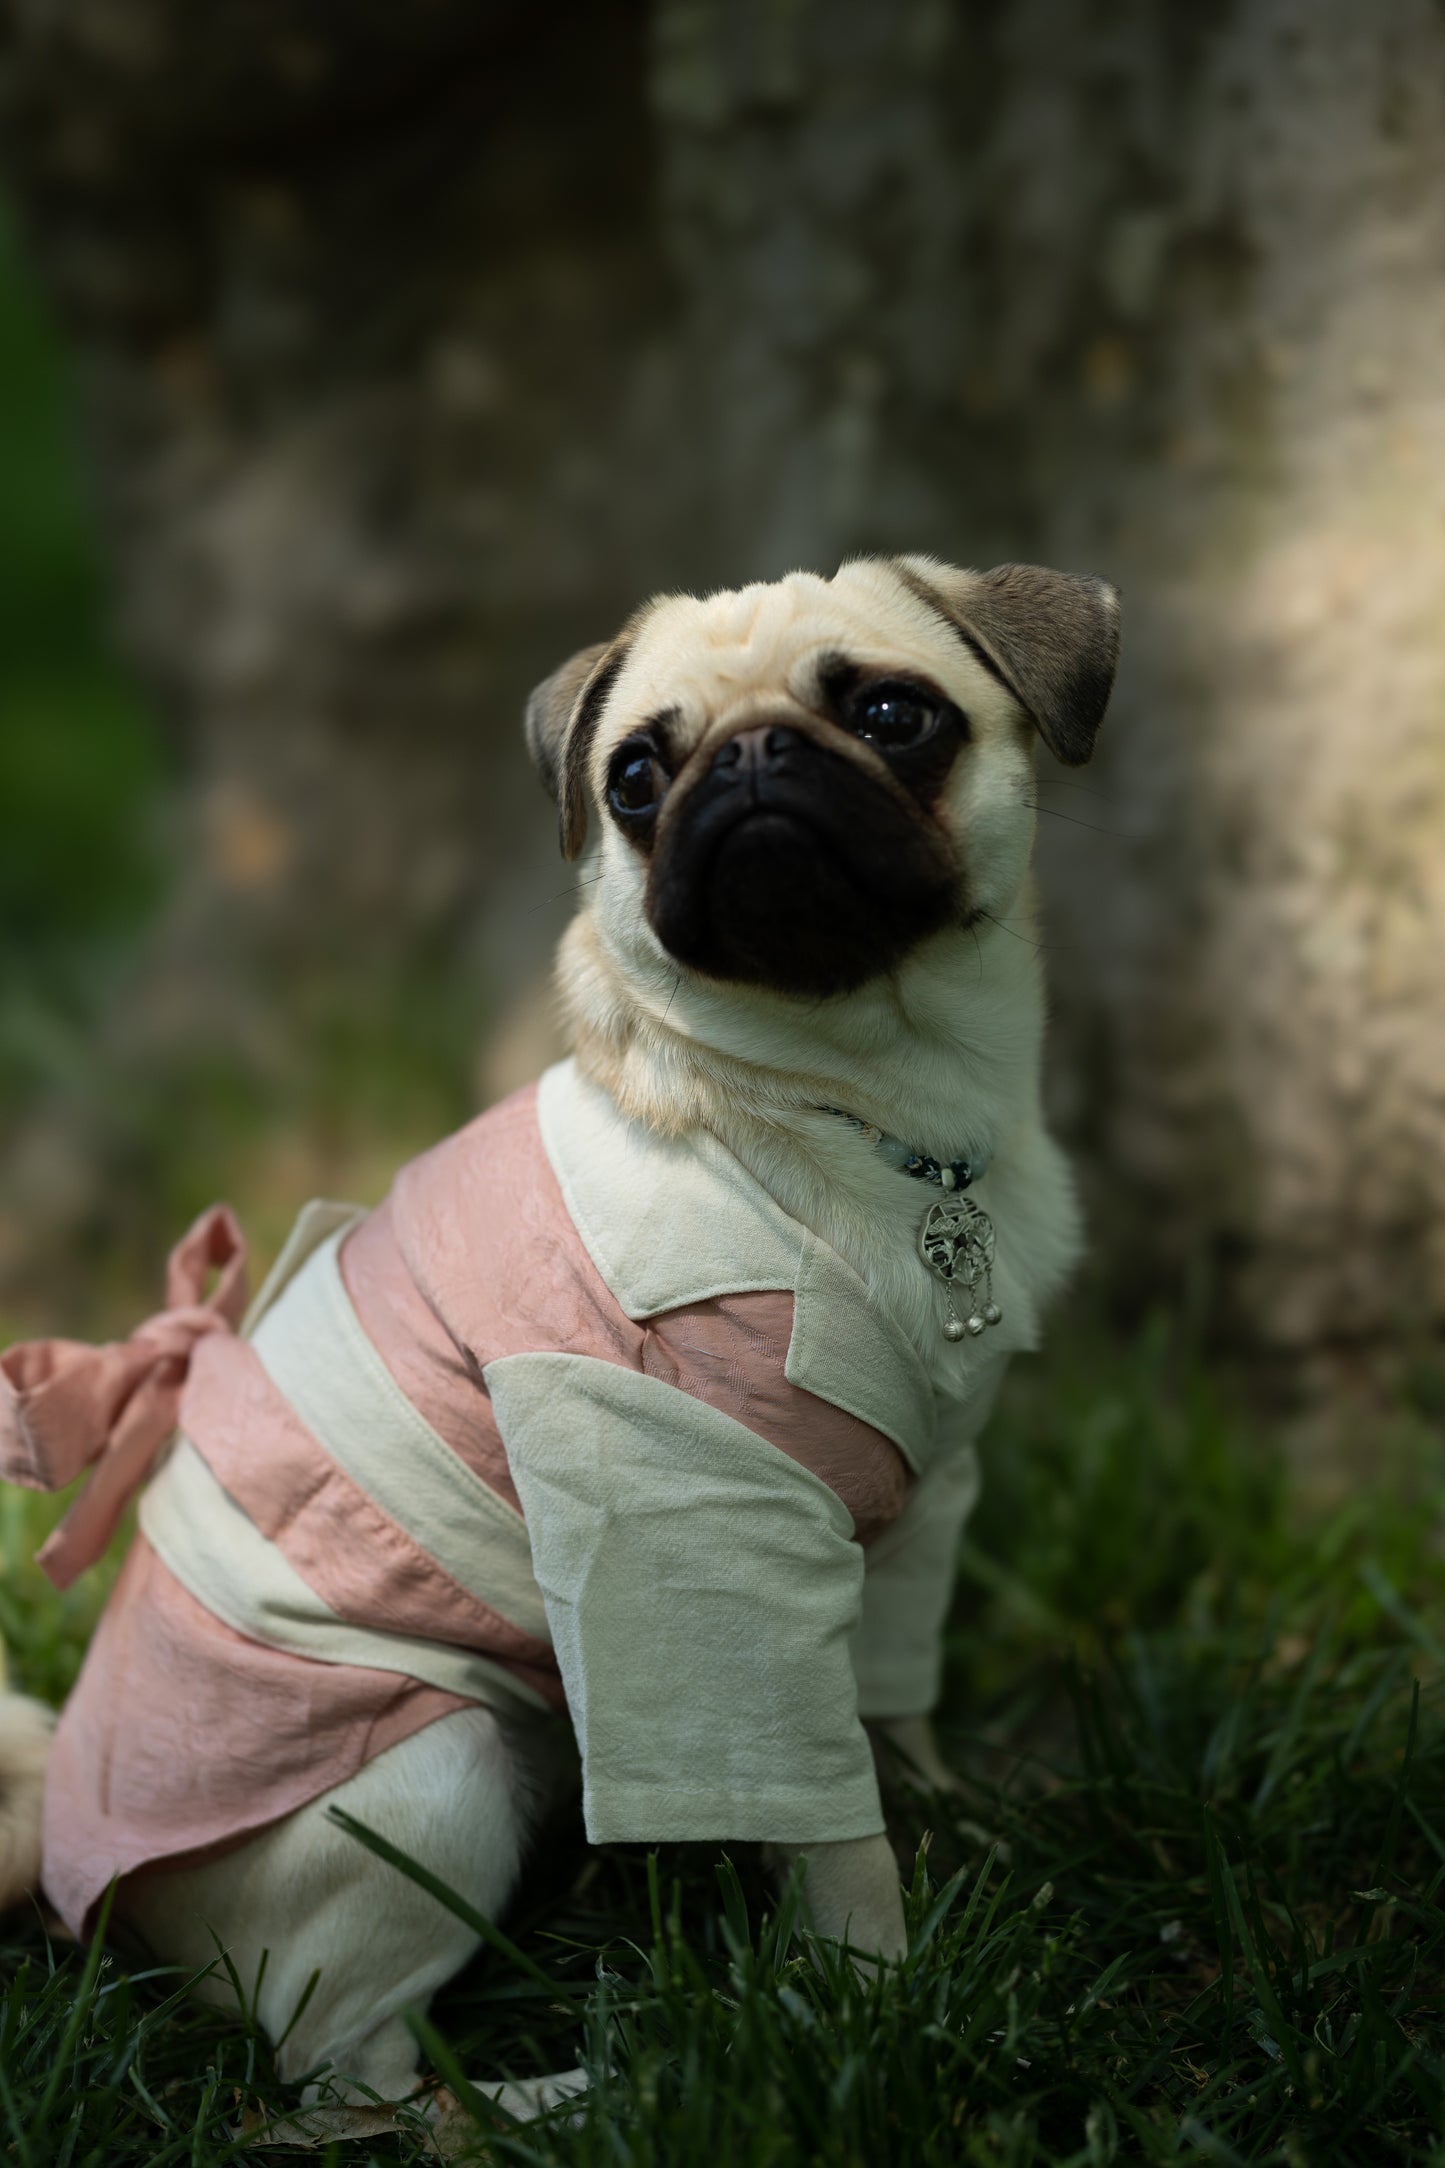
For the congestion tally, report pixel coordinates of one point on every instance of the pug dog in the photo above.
(641, 1414)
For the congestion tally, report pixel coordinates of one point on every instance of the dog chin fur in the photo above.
(944, 1052)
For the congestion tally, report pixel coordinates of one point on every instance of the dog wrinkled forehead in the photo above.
(705, 654)
(1047, 640)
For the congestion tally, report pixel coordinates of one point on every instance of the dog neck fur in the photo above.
(943, 1053)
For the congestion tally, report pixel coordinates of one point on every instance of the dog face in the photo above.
(800, 782)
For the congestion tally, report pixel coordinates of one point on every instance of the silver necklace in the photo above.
(955, 1238)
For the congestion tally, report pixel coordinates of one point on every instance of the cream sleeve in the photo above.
(898, 1642)
(702, 1591)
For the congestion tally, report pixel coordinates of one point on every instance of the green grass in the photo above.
(1201, 1726)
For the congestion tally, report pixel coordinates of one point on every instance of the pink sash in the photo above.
(65, 1406)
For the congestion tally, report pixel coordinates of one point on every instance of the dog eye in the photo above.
(637, 781)
(892, 717)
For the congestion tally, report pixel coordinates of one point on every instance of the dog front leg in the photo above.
(851, 1893)
(910, 1750)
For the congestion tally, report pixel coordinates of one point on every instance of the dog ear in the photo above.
(561, 720)
(1052, 638)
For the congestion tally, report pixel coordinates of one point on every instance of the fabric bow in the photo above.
(64, 1405)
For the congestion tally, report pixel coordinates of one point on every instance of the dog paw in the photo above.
(454, 2129)
(911, 1754)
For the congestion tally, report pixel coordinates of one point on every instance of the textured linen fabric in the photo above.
(898, 1642)
(215, 1551)
(739, 1566)
(183, 1735)
(65, 1407)
(897, 1648)
(374, 1501)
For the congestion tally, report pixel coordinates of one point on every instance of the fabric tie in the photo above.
(64, 1405)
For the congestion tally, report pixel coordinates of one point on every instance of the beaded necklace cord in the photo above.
(944, 1173)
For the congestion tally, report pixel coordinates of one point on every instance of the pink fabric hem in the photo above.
(182, 1737)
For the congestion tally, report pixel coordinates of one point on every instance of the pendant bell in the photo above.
(956, 1243)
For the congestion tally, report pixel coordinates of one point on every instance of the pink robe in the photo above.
(184, 1734)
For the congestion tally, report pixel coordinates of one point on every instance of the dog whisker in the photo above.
(1052, 947)
(1012, 931)
(575, 890)
(1073, 818)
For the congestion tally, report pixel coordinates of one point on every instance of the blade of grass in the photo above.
(454, 1903)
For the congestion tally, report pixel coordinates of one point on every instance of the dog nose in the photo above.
(766, 746)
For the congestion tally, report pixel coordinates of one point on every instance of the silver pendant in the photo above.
(956, 1243)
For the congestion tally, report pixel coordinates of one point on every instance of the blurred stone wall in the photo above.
(416, 344)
